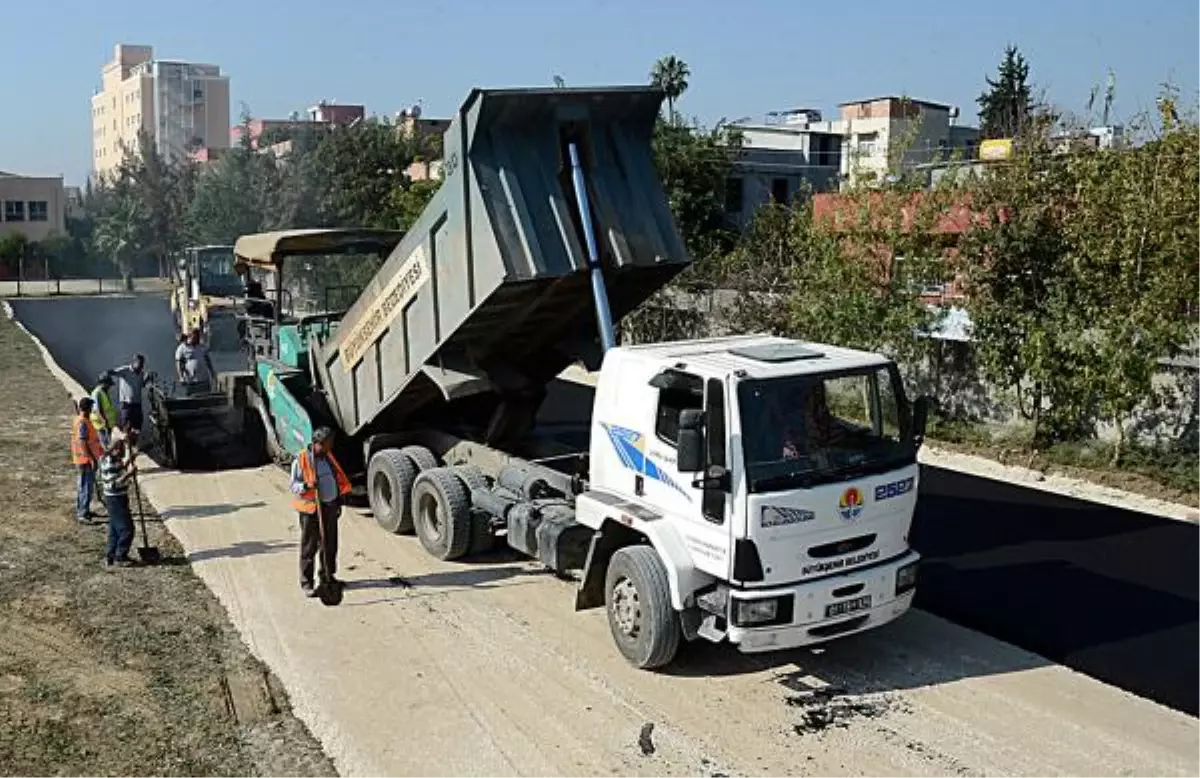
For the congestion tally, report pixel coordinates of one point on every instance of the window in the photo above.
(687, 396)
(867, 142)
(38, 211)
(14, 210)
(733, 195)
(779, 190)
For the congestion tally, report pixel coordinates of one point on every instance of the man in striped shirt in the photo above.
(116, 470)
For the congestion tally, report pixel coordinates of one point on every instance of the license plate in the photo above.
(848, 606)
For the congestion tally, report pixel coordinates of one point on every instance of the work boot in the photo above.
(308, 590)
(126, 562)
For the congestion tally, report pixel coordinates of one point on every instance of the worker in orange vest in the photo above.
(85, 453)
(317, 476)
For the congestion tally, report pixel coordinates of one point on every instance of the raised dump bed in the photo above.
(488, 293)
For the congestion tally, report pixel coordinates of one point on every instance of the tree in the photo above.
(363, 164)
(670, 74)
(695, 166)
(1006, 105)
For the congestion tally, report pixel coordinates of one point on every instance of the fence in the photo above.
(40, 276)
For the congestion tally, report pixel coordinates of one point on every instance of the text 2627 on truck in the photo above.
(747, 489)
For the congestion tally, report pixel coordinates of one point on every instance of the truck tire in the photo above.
(420, 456)
(483, 539)
(390, 478)
(472, 476)
(441, 510)
(637, 597)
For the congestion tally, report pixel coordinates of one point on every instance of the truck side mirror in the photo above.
(690, 447)
(920, 417)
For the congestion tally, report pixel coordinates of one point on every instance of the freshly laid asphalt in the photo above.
(1111, 593)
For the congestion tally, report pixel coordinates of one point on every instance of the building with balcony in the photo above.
(35, 206)
(180, 106)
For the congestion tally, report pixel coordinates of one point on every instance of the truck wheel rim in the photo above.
(626, 608)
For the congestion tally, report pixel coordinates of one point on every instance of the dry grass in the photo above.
(113, 672)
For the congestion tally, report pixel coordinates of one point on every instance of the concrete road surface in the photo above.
(483, 668)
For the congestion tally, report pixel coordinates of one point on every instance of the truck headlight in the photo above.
(906, 578)
(762, 612)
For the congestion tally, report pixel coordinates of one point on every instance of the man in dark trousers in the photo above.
(116, 470)
(317, 476)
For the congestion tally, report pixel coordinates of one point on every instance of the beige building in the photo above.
(182, 106)
(884, 133)
(33, 205)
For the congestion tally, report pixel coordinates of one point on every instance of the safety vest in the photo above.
(104, 415)
(306, 501)
(85, 452)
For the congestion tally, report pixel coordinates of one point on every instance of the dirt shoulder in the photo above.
(114, 672)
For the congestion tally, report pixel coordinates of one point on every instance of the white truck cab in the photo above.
(759, 490)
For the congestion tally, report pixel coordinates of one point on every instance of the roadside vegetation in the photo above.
(114, 671)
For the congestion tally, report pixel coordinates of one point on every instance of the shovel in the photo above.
(147, 553)
(328, 592)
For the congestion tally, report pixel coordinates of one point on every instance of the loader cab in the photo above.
(772, 456)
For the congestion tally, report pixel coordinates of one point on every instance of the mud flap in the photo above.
(605, 542)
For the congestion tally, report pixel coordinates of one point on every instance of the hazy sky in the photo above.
(746, 58)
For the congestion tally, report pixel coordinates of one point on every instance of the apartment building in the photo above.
(35, 206)
(181, 106)
(885, 132)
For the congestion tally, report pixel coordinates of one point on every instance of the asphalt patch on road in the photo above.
(831, 707)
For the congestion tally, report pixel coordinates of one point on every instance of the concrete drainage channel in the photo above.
(1109, 592)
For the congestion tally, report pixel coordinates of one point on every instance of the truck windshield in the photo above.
(801, 431)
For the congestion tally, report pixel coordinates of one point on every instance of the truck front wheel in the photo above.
(637, 597)
(390, 477)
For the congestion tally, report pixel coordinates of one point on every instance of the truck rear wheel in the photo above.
(637, 597)
(422, 457)
(483, 539)
(441, 509)
(390, 478)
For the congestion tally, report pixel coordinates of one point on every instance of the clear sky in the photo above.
(746, 57)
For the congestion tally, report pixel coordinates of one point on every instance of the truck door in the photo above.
(704, 517)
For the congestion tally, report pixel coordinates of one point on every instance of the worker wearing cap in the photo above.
(85, 453)
(104, 413)
(317, 476)
(116, 470)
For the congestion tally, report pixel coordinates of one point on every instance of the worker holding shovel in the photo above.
(319, 484)
(116, 471)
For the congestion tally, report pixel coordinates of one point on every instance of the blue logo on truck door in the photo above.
(630, 446)
(894, 489)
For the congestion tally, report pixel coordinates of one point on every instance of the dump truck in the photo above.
(750, 489)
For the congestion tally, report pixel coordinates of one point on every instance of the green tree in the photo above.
(1007, 103)
(695, 166)
(363, 164)
(670, 74)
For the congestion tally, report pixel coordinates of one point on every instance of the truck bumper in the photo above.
(818, 611)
